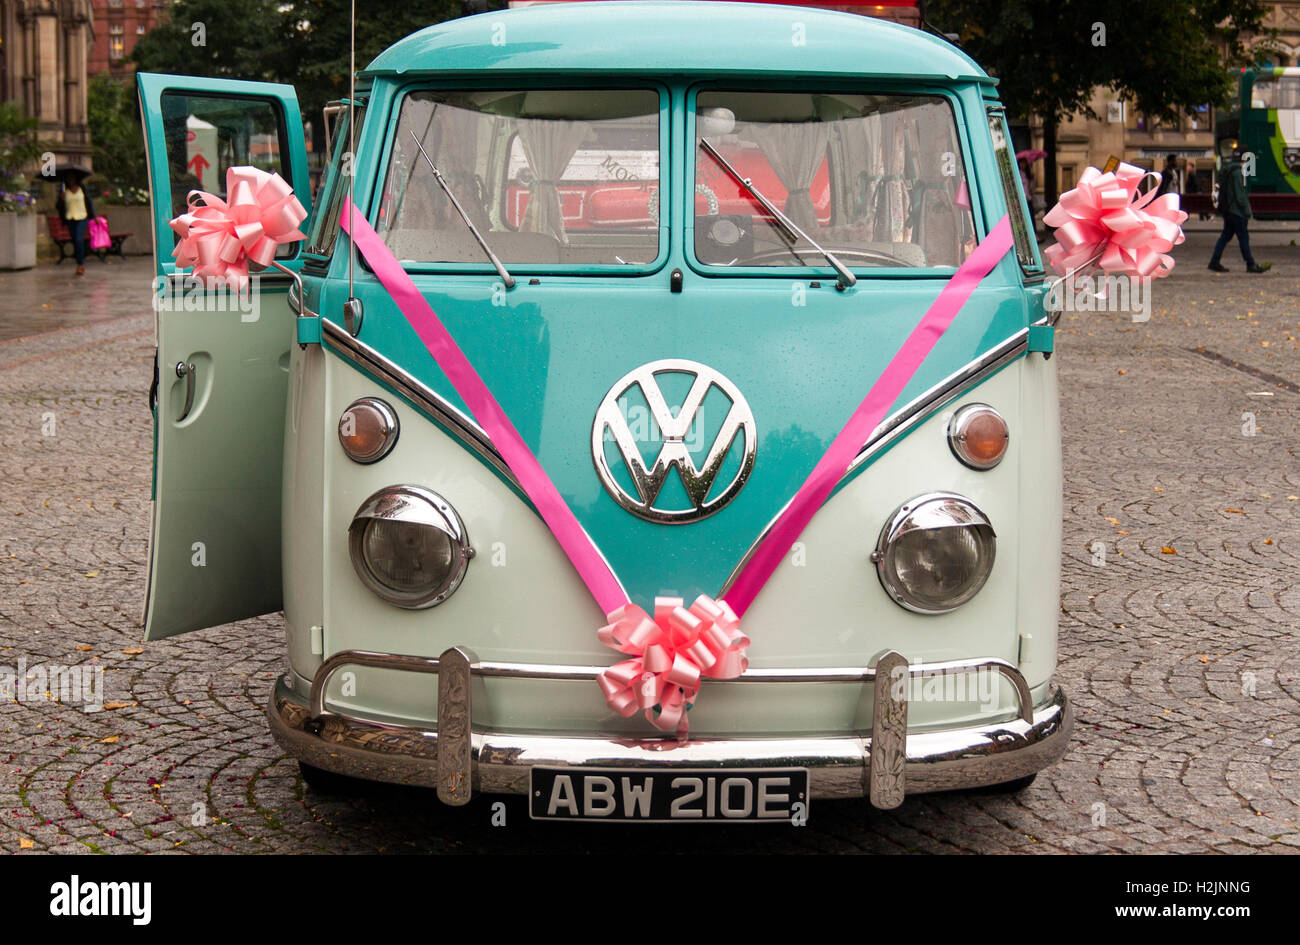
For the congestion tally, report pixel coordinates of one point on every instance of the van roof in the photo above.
(675, 38)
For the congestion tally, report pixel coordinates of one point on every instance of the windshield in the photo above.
(547, 177)
(877, 180)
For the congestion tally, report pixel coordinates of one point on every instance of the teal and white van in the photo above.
(679, 243)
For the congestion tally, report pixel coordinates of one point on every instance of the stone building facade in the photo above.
(44, 50)
(119, 24)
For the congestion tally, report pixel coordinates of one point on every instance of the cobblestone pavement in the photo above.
(1178, 631)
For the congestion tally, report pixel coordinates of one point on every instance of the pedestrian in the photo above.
(76, 210)
(1192, 185)
(1171, 181)
(1234, 204)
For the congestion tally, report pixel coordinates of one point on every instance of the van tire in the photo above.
(1007, 787)
(320, 781)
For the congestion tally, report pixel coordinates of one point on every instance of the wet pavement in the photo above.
(52, 296)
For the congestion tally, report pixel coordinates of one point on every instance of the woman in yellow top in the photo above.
(76, 210)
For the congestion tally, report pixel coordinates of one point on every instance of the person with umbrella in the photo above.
(76, 209)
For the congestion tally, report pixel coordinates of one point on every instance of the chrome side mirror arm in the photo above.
(307, 323)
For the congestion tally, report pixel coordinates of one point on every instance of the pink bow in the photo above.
(673, 652)
(220, 237)
(1105, 220)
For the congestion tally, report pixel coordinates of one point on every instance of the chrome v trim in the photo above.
(458, 424)
(897, 425)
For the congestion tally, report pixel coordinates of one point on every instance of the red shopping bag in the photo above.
(99, 238)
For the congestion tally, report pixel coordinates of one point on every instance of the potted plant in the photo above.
(18, 148)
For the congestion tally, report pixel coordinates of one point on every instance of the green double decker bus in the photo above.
(1266, 124)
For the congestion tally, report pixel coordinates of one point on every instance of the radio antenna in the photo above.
(352, 310)
(352, 139)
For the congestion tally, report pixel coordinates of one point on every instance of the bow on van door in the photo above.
(222, 361)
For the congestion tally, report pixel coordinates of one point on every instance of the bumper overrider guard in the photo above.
(885, 764)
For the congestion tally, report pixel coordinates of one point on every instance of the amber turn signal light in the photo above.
(978, 436)
(368, 430)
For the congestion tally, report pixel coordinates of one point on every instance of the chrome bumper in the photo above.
(885, 764)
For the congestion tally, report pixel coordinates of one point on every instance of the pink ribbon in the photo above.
(219, 238)
(674, 651)
(830, 469)
(1104, 219)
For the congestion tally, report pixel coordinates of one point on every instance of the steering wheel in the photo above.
(872, 256)
(705, 191)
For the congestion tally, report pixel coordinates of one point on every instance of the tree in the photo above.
(300, 42)
(114, 118)
(228, 39)
(1049, 55)
(315, 44)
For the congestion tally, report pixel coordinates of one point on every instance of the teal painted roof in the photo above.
(666, 38)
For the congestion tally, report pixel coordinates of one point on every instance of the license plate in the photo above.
(761, 795)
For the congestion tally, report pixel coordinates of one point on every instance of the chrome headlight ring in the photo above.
(939, 517)
(422, 508)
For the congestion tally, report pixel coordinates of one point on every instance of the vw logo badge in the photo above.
(682, 432)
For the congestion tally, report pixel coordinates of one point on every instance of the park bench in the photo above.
(63, 239)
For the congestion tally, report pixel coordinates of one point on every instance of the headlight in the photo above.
(409, 546)
(978, 436)
(368, 430)
(935, 553)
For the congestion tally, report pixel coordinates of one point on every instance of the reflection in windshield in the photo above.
(547, 177)
(877, 180)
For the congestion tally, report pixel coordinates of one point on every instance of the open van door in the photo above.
(222, 362)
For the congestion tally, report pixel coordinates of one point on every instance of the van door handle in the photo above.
(153, 385)
(186, 371)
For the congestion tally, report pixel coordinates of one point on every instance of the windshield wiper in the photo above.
(845, 279)
(508, 279)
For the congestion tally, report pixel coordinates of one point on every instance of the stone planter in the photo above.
(17, 240)
(137, 221)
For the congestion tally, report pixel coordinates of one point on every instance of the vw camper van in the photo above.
(679, 244)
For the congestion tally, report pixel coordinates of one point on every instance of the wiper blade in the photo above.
(845, 279)
(508, 279)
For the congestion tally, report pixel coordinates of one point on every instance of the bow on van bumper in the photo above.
(885, 764)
